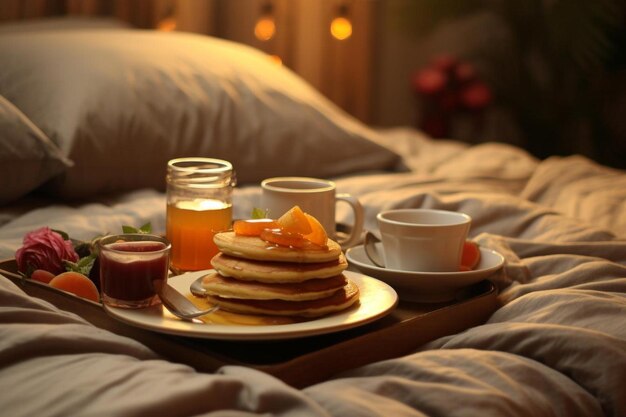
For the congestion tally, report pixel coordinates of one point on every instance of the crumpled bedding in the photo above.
(555, 347)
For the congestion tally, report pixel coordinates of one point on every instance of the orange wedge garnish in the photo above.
(295, 221)
(253, 227)
(318, 233)
(282, 237)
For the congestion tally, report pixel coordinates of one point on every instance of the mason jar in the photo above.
(199, 205)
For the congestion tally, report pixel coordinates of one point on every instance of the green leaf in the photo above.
(146, 228)
(83, 266)
(129, 229)
(30, 268)
(258, 213)
(64, 235)
(82, 248)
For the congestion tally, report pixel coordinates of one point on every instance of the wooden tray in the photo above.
(298, 362)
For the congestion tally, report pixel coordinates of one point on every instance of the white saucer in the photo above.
(426, 286)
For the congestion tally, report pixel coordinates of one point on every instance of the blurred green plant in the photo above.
(558, 69)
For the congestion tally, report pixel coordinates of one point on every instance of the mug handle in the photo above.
(357, 227)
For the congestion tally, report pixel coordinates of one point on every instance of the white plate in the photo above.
(376, 300)
(426, 286)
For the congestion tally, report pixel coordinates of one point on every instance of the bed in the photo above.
(89, 117)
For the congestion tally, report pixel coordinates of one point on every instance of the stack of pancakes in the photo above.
(257, 277)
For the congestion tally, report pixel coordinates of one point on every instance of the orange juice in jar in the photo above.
(198, 206)
(191, 226)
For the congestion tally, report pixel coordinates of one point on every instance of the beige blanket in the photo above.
(555, 347)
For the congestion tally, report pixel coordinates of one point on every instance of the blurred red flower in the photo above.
(448, 87)
(429, 81)
(476, 96)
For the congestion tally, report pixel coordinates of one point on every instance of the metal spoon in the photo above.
(179, 305)
(197, 289)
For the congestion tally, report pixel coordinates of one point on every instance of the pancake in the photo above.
(340, 300)
(252, 247)
(276, 272)
(218, 285)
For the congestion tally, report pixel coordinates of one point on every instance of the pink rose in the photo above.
(44, 249)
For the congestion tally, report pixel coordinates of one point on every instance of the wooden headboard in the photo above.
(138, 13)
(302, 41)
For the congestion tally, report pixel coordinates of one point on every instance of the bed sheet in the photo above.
(555, 347)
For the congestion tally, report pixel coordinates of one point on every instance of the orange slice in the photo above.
(318, 233)
(295, 221)
(283, 237)
(42, 275)
(471, 255)
(77, 284)
(253, 227)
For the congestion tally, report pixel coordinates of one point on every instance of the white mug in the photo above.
(423, 239)
(314, 196)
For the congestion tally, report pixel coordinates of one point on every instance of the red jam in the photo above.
(125, 276)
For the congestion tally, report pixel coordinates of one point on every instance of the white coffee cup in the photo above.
(314, 196)
(423, 239)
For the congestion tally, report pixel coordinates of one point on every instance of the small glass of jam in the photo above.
(133, 267)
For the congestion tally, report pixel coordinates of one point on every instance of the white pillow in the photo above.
(121, 103)
(27, 157)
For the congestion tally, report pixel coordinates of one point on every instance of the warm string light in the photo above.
(276, 60)
(265, 27)
(341, 26)
(167, 25)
